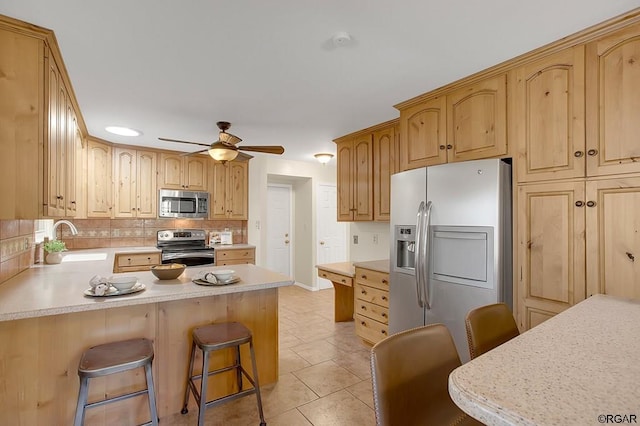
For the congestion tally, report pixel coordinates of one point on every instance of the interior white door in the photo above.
(331, 234)
(279, 239)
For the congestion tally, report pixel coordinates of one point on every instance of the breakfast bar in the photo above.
(47, 321)
(577, 368)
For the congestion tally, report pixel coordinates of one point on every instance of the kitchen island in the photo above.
(46, 322)
(577, 368)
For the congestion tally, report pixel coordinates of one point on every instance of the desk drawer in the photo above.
(128, 262)
(336, 278)
(373, 278)
(370, 330)
(370, 310)
(372, 295)
(223, 255)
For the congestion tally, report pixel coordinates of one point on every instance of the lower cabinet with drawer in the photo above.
(130, 262)
(233, 256)
(371, 304)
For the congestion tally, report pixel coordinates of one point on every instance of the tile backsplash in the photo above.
(16, 247)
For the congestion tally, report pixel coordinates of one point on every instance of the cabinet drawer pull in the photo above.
(385, 282)
(578, 154)
(323, 275)
(591, 203)
(384, 315)
(343, 280)
(631, 257)
(364, 277)
(363, 323)
(592, 152)
(579, 203)
(442, 147)
(383, 332)
(384, 297)
(364, 308)
(363, 292)
(449, 146)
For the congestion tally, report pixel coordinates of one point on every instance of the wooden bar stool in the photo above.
(212, 338)
(112, 358)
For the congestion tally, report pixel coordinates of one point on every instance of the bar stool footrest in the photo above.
(116, 398)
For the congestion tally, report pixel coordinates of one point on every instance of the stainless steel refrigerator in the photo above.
(451, 248)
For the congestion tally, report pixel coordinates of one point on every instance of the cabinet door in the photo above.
(613, 241)
(74, 147)
(170, 176)
(195, 173)
(477, 120)
(99, 182)
(613, 90)
(344, 180)
(146, 192)
(551, 250)
(423, 134)
(218, 201)
(362, 175)
(124, 197)
(547, 117)
(384, 155)
(52, 174)
(238, 190)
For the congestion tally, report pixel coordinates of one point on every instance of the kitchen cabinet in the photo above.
(423, 134)
(612, 107)
(21, 118)
(99, 179)
(355, 178)
(385, 163)
(63, 146)
(371, 305)
(230, 190)
(135, 179)
(183, 172)
(547, 117)
(235, 256)
(135, 261)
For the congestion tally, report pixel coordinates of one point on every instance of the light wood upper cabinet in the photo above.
(423, 134)
(385, 153)
(99, 179)
(355, 178)
(613, 226)
(477, 120)
(613, 91)
(183, 172)
(230, 190)
(21, 124)
(546, 116)
(551, 250)
(135, 180)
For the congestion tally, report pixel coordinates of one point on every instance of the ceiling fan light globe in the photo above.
(222, 153)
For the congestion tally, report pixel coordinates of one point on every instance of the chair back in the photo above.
(410, 372)
(488, 327)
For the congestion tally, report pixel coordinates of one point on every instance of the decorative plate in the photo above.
(112, 291)
(232, 280)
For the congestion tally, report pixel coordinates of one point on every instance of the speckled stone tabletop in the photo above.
(573, 369)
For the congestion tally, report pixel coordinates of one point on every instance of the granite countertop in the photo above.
(57, 289)
(571, 369)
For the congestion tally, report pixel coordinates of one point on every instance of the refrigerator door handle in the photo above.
(426, 232)
(417, 258)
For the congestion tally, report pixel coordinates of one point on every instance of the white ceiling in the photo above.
(173, 68)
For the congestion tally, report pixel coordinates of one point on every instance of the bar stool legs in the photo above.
(215, 337)
(112, 358)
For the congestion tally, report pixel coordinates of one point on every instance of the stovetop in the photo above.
(182, 239)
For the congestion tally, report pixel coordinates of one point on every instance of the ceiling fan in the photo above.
(225, 149)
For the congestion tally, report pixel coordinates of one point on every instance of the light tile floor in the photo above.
(325, 377)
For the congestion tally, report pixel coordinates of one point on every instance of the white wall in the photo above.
(367, 248)
(304, 177)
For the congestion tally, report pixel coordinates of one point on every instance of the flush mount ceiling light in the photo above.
(122, 131)
(324, 157)
(341, 38)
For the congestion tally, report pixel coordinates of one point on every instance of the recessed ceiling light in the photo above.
(122, 131)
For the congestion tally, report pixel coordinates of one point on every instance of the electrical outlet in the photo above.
(355, 239)
(375, 238)
(257, 224)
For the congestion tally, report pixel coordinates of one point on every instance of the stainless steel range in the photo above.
(187, 246)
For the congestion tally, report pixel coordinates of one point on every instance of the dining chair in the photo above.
(488, 327)
(410, 372)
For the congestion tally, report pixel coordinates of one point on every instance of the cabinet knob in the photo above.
(384, 297)
(364, 308)
(363, 323)
(591, 203)
(363, 292)
(578, 154)
(364, 277)
(579, 203)
(343, 280)
(73, 202)
(385, 282)
(442, 147)
(384, 315)
(383, 332)
(449, 146)
(592, 152)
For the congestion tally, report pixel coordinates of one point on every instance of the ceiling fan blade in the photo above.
(228, 138)
(186, 154)
(269, 149)
(177, 140)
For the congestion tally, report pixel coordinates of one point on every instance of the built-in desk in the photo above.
(341, 276)
(576, 368)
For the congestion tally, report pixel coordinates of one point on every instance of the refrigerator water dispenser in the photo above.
(404, 247)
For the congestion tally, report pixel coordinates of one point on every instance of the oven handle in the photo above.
(184, 255)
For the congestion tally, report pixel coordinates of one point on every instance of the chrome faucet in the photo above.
(74, 230)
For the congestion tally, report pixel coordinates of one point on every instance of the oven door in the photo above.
(189, 258)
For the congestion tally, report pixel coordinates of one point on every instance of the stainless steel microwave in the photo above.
(183, 204)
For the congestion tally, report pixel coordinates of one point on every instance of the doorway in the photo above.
(279, 238)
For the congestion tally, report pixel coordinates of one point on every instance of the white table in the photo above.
(571, 369)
